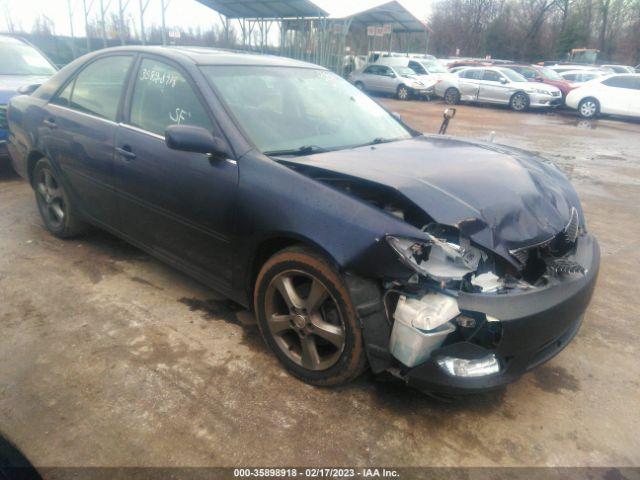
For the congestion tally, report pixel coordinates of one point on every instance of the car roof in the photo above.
(214, 56)
(4, 39)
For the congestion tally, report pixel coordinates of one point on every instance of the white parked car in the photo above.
(609, 95)
(620, 68)
(498, 85)
(581, 76)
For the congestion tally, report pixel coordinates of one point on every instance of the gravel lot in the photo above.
(110, 358)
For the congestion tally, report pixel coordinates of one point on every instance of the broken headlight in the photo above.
(437, 258)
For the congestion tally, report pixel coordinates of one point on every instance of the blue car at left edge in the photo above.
(21, 65)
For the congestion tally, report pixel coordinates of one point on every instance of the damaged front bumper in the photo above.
(535, 325)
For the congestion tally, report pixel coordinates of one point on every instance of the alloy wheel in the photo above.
(403, 93)
(519, 102)
(50, 198)
(304, 320)
(451, 96)
(588, 108)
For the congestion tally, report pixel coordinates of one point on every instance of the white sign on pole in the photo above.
(379, 31)
(386, 28)
(371, 31)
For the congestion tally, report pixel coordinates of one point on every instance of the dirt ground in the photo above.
(110, 358)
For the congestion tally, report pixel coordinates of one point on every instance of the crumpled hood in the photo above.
(502, 198)
(9, 85)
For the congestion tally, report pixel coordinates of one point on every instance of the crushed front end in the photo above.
(469, 320)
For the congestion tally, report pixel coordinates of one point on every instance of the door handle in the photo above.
(125, 152)
(50, 122)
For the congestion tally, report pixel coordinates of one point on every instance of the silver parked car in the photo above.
(394, 79)
(500, 86)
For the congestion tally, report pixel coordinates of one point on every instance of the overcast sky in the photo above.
(182, 13)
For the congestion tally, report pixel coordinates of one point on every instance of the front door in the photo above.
(494, 88)
(180, 204)
(81, 126)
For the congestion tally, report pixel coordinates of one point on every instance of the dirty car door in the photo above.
(80, 125)
(180, 204)
(468, 84)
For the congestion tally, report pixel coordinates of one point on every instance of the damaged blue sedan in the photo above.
(358, 242)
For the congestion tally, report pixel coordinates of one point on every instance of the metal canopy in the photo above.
(265, 9)
(394, 13)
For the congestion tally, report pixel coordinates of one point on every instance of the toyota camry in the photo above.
(357, 241)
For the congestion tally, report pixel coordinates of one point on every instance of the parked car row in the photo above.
(589, 89)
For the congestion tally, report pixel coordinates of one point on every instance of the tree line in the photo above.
(533, 30)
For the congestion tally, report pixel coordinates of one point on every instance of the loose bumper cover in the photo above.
(536, 325)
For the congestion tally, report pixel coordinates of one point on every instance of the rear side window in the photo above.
(621, 82)
(372, 70)
(472, 74)
(570, 76)
(162, 96)
(97, 88)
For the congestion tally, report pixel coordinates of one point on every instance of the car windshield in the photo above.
(301, 109)
(434, 67)
(404, 71)
(511, 75)
(22, 59)
(549, 74)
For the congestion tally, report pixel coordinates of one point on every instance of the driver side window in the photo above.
(491, 76)
(162, 96)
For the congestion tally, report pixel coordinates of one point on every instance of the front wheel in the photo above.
(589, 108)
(403, 93)
(519, 102)
(306, 317)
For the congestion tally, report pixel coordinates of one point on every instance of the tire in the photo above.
(519, 102)
(452, 96)
(360, 86)
(589, 108)
(313, 327)
(55, 207)
(403, 93)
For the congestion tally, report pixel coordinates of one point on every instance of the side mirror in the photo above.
(187, 138)
(397, 116)
(28, 89)
(503, 81)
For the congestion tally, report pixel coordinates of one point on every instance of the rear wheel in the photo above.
(360, 86)
(53, 202)
(589, 108)
(403, 93)
(452, 96)
(307, 318)
(519, 102)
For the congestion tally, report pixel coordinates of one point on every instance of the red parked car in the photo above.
(538, 73)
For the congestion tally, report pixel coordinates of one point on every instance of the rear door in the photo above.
(492, 88)
(180, 204)
(80, 127)
(617, 95)
(469, 84)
